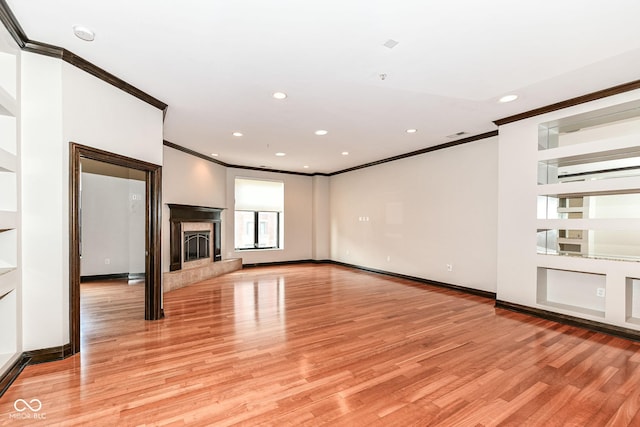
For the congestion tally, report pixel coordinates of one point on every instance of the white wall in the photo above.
(298, 222)
(60, 104)
(189, 180)
(45, 238)
(113, 225)
(414, 216)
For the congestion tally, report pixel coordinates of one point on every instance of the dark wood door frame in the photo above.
(153, 202)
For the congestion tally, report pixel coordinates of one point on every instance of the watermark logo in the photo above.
(27, 410)
(21, 405)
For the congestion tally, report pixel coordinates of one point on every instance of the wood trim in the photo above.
(229, 165)
(13, 27)
(193, 153)
(153, 280)
(615, 90)
(107, 77)
(153, 224)
(478, 292)
(103, 277)
(12, 373)
(366, 165)
(32, 357)
(617, 331)
(421, 151)
(50, 354)
(278, 263)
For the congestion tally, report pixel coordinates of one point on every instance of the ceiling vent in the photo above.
(457, 134)
(390, 44)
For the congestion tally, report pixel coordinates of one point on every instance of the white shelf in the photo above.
(9, 69)
(589, 188)
(8, 281)
(8, 161)
(589, 224)
(8, 220)
(593, 150)
(8, 104)
(8, 191)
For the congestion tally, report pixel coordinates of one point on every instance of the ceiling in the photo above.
(216, 63)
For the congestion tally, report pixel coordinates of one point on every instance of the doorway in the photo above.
(153, 182)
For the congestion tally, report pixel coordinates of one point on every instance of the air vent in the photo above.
(390, 44)
(457, 134)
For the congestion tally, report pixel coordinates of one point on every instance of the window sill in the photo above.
(257, 250)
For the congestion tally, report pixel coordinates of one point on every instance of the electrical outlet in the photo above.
(107, 261)
(449, 267)
(388, 258)
(600, 292)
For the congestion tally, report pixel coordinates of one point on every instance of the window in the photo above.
(258, 214)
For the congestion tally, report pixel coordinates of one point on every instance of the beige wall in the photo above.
(298, 218)
(414, 216)
(189, 180)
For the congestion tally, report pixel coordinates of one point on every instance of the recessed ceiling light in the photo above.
(214, 154)
(345, 153)
(321, 132)
(279, 95)
(508, 98)
(281, 154)
(412, 130)
(237, 134)
(306, 166)
(83, 33)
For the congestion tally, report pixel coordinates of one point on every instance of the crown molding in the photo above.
(615, 90)
(366, 165)
(421, 151)
(15, 30)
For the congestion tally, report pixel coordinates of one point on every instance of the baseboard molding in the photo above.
(102, 277)
(617, 331)
(485, 294)
(472, 291)
(48, 354)
(10, 376)
(32, 357)
(136, 276)
(277, 263)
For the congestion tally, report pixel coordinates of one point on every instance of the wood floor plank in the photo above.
(317, 345)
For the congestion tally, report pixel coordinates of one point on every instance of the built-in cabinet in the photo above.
(9, 202)
(588, 222)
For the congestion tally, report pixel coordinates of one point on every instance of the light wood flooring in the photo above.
(327, 345)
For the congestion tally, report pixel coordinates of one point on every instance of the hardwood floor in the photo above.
(326, 345)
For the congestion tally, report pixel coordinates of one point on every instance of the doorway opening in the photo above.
(151, 175)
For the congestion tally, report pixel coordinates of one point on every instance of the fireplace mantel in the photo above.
(179, 214)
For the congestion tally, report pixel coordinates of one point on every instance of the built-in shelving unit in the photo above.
(589, 215)
(10, 345)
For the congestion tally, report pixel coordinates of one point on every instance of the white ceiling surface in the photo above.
(217, 62)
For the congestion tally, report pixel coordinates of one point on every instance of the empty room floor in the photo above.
(320, 344)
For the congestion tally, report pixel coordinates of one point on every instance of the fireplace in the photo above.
(196, 245)
(194, 236)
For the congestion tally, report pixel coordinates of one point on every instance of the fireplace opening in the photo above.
(196, 245)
